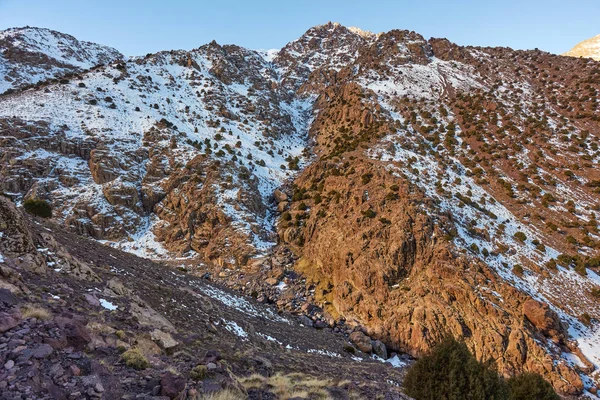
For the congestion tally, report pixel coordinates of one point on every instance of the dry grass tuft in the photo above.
(226, 394)
(290, 385)
(36, 312)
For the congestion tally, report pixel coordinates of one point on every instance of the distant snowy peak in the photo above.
(589, 48)
(29, 55)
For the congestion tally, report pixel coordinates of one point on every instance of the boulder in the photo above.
(361, 341)
(163, 339)
(543, 318)
(7, 322)
(279, 196)
(171, 385)
(379, 349)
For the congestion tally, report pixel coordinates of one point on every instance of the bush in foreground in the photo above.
(451, 372)
(38, 207)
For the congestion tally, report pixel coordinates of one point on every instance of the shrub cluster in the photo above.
(38, 207)
(451, 372)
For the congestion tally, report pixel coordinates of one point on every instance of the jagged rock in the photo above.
(163, 339)
(7, 298)
(17, 241)
(280, 196)
(544, 319)
(171, 385)
(361, 341)
(7, 322)
(149, 317)
(379, 349)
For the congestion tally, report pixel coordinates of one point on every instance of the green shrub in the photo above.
(366, 178)
(135, 359)
(520, 236)
(451, 372)
(286, 216)
(38, 207)
(530, 386)
(199, 372)
(518, 269)
(369, 213)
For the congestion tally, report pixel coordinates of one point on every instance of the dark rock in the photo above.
(304, 320)
(77, 335)
(42, 351)
(7, 322)
(321, 324)
(172, 385)
(7, 298)
(379, 349)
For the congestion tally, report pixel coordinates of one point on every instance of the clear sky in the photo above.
(137, 27)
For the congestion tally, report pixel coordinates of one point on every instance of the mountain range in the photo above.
(383, 189)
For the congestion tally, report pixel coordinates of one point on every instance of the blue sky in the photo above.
(137, 27)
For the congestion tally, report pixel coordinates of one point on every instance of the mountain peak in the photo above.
(29, 55)
(589, 48)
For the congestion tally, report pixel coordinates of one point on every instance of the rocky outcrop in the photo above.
(16, 243)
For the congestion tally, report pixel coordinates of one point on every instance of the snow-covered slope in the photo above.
(152, 115)
(29, 55)
(589, 48)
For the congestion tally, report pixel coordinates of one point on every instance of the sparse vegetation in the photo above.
(199, 372)
(451, 372)
(33, 311)
(134, 358)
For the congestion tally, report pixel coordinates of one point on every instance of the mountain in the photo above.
(32, 55)
(589, 48)
(111, 325)
(379, 184)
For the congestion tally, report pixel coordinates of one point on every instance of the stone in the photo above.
(56, 371)
(92, 300)
(7, 298)
(304, 320)
(379, 349)
(163, 339)
(75, 371)
(171, 385)
(77, 335)
(361, 341)
(279, 196)
(42, 351)
(271, 281)
(320, 324)
(543, 318)
(7, 322)
(99, 388)
(9, 364)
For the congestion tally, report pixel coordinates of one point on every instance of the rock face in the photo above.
(403, 187)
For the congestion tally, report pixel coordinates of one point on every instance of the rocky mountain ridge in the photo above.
(411, 188)
(32, 55)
